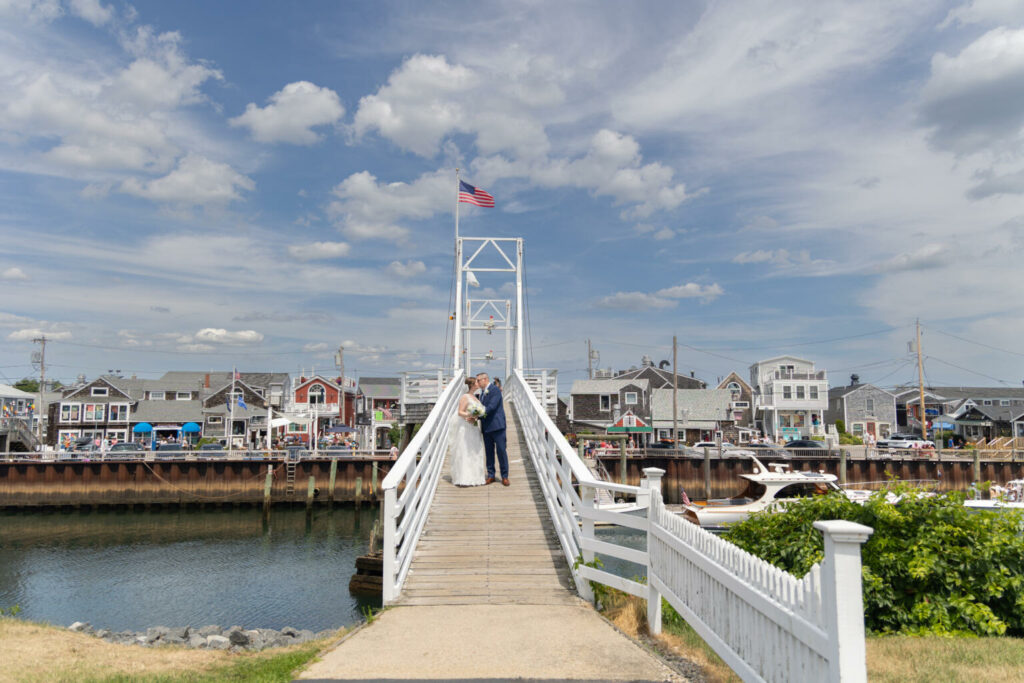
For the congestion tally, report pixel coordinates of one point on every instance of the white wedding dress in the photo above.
(466, 449)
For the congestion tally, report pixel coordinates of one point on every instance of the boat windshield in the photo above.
(753, 491)
(805, 490)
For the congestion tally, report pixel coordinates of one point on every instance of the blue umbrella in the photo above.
(142, 428)
(191, 428)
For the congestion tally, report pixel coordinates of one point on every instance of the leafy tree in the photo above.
(29, 385)
(930, 567)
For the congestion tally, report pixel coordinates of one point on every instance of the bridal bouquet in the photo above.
(476, 411)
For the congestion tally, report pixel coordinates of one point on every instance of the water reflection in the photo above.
(130, 570)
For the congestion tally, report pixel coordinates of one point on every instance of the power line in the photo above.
(978, 343)
(968, 370)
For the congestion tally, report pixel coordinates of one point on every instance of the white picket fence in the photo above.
(409, 488)
(765, 623)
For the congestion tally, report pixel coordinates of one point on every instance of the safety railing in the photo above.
(409, 489)
(765, 623)
(214, 455)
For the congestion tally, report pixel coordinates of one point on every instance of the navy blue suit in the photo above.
(493, 426)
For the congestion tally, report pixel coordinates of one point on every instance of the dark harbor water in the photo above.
(132, 570)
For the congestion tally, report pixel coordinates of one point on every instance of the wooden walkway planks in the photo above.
(490, 544)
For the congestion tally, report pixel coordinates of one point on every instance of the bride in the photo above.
(466, 443)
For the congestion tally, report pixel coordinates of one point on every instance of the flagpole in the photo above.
(231, 402)
(457, 350)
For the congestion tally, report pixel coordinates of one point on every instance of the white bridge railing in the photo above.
(765, 623)
(409, 488)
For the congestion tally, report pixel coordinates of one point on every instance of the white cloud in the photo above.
(196, 348)
(215, 335)
(30, 333)
(317, 346)
(366, 209)
(664, 234)
(996, 12)
(634, 301)
(292, 113)
(929, 256)
(92, 11)
(196, 181)
(408, 269)
(356, 347)
(319, 250)
(975, 100)
(692, 290)
(13, 273)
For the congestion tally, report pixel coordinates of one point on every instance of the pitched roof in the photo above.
(660, 378)
(775, 358)
(966, 392)
(839, 392)
(253, 379)
(693, 405)
(735, 377)
(380, 387)
(607, 386)
(167, 411)
(7, 391)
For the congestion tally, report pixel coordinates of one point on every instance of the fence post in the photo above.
(652, 485)
(842, 465)
(587, 494)
(707, 473)
(388, 545)
(976, 470)
(842, 598)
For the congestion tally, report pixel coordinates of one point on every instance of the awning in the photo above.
(142, 428)
(340, 429)
(191, 428)
(282, 422)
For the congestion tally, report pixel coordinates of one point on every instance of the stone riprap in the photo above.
(235, 639)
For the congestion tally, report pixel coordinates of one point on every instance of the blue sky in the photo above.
(200, 185)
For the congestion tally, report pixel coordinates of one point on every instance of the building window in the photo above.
(118, 412)
(1004, 402)
(215, 420)
(606, 402)
(294, 428)
(814, 393)
(858, 428)
(316, 394)
(630, 398)
(787, 391)
(787, 370)
(741, 404)
(70, 412)
(183, 396)
(100, 391)
(869, 405)
(986, 402)
(156, 396)
(94, 412)
(800, 391)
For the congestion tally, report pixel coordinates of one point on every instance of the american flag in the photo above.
(474, 195)
(387, 413)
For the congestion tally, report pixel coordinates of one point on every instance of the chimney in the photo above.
(854, 380)
(692, 373)
(206, 381)
(646, 361)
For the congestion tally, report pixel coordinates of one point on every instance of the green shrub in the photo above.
(930, 567)
(840, 426)
(846, 439)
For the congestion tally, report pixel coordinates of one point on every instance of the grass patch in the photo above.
(41, 652)
(629, 614)
(911, 659)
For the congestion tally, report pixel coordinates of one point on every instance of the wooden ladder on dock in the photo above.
(289, 471)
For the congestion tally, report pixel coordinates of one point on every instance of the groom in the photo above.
(493, 426)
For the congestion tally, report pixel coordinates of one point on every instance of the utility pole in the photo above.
(675, 395)
(920, 383)
(590, 362)
(42, 384)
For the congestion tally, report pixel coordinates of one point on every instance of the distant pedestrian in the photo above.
(394, 451)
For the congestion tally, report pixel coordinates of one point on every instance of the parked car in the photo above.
(805, 443)
(732, 449)
(211, 449)
(170, 450)
(904, 441)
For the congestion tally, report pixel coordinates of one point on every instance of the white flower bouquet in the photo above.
(476, 410)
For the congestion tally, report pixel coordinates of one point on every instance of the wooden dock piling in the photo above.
(334, 476)
(267, 487)
(359, 492)
(310, 492)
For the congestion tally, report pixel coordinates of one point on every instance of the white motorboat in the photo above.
(1009, 497)
(767, 487)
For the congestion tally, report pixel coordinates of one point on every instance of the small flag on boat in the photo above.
(474, 195)
(682, 495)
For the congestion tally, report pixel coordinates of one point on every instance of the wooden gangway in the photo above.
(490, 544)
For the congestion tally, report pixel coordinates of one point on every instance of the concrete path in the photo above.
(489, 596)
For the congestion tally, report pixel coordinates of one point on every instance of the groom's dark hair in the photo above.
(484, 374)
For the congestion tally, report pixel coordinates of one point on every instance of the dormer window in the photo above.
(316, 394)
(100, 391)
